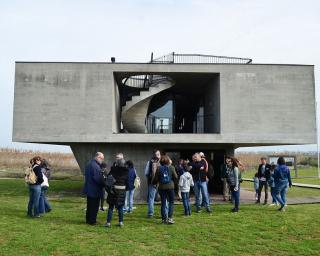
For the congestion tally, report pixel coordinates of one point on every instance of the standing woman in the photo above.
(166, 177)
(116, 198)
(282, 179)
(35, 189)
(233, 176)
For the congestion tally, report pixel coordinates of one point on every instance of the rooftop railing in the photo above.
(199, 58)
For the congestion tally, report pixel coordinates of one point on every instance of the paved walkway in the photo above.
(248, 197)
(297, 184)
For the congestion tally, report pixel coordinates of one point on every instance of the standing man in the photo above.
(223, 176)
(263, 176)
(93, 187)
(198, 171)
(150, 171)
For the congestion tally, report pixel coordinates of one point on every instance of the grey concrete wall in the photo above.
(212, 107)
(76, 102)
(62, 102)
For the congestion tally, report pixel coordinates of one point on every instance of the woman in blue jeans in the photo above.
(282, 179)
(233, 175)
(165, 177)
(35, 189)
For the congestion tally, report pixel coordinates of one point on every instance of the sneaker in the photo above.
(170, 221)
(121, 225)
(107, 225)
(273, 204)
(36, 216)
(101, 209)
(234, 210)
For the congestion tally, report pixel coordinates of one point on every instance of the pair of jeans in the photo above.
(102, 199)
(261, 185)
(235, 196)
(44, 205)
(201, 187)
(110, 212)
(92, 209)
(152, 190)
(129, 201)
(186, 203)
(34, 198)
(281, 189)
(273, 194)
(166, 195)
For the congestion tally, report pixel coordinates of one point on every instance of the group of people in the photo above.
(277, 177)
(121, 179)
(37, 178)
(162, 178)
(119, 183)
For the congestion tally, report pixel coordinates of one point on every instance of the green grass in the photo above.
(255, 229)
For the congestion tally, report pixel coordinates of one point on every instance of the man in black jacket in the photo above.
(263, 176)
(198, 171)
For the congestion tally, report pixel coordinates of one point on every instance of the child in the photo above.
(185, 182)
(256, 185)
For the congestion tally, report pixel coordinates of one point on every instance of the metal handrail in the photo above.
(144, 81)
(199, 58)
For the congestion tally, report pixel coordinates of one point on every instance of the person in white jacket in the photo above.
(185, 182)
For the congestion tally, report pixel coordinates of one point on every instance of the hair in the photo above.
(103, 165)
(154, 152)
(235, 161)
(228, 157)
(165, 160)
(36, 158)
(44, 163)
(281, 160)
(98, 154)
(256, 174)
(263, 158)
(129, 163)
(120, 154)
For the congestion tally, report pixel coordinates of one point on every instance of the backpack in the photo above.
(30, 177)
(164, 175)
(110, 181)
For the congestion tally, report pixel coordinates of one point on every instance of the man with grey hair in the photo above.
(93, 187)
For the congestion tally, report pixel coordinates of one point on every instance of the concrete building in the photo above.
(178, 103)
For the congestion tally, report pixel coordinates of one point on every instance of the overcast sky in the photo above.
(272, 31)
